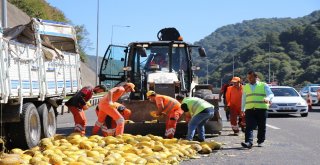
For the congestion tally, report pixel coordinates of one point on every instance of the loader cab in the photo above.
(163, 66)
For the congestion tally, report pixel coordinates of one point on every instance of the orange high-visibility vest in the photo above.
(169, 103)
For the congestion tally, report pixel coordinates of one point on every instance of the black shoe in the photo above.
(246, 145)
(243, 129)
(260, 144)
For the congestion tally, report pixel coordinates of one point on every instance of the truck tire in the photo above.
(27, 133)
(48, 120)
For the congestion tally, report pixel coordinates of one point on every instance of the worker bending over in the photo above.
(107, 107)
(200, 112)
(169, 107)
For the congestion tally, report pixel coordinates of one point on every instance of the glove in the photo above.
(121, 108)
(112, 105)
(154, 114)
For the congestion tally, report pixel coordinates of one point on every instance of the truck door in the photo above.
(113, 62)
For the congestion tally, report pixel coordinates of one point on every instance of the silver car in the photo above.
(287, 101)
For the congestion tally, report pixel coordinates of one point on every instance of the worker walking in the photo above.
(222, 93)
(200, 112)
(107, 107)
(256, 98)
(167, 106)
(234, 96)
(109, 125)
(77, 104)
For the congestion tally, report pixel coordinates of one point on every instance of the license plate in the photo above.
(285, 108)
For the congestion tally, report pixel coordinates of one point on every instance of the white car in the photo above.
(287, 101)
(311, 93)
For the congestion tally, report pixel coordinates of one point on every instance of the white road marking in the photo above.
(271, 126)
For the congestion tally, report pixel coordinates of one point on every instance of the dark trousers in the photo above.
(254, 118)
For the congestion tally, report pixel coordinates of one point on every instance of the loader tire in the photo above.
(203, 93)
(48, 120)
(27, 133)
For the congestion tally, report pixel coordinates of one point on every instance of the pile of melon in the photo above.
(123, 149)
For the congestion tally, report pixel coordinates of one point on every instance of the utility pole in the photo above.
(232, 65)
(269, 62)
(97, 47)
(207, 71)
(4, 14)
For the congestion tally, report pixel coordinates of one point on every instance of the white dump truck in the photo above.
(39, 66)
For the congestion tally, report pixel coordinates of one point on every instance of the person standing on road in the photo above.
(200, 111)
(256, 99)
(167, 106)
(223, 92)
(234, 96)
(77, 104)
(107, 107)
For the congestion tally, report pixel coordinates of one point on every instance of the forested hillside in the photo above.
(293, 45)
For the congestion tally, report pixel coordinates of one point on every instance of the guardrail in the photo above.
(94, 101)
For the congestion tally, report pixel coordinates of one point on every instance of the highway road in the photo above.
(291, 139)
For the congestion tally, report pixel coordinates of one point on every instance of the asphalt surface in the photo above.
(291, 139)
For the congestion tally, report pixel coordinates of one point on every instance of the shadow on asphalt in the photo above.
(233, 148)
(282, 116)
(314, 110)
(69, 130)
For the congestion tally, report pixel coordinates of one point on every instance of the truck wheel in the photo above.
(48, 120)
(27, 133)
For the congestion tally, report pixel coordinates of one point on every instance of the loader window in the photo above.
(157, 55)
(111, 72)
(180, 64)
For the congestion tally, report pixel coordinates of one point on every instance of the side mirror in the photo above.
(122, 59)
(142, 51)
(202, 52)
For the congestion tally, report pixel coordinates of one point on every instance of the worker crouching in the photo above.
(169, 107)
(109, 126)
(107, 107)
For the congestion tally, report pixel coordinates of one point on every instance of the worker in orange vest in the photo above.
(167, 106)
(77, 104)
(234, 97)
(108, 128)
(107, 107)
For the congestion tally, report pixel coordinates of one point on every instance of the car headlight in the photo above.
(314, 95)
(302, 104)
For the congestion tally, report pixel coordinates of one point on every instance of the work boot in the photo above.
(260, 144)
(246, 145)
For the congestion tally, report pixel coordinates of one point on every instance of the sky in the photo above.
(194, 19)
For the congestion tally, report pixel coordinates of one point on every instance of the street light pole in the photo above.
(112, 30)
(232, 65)
(207, 72)
(97, 49)
(269, 62)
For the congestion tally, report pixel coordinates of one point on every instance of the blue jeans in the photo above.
(197, 122)
(256, 117)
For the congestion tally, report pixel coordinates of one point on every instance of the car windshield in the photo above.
(284, 92)
(314, 89)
